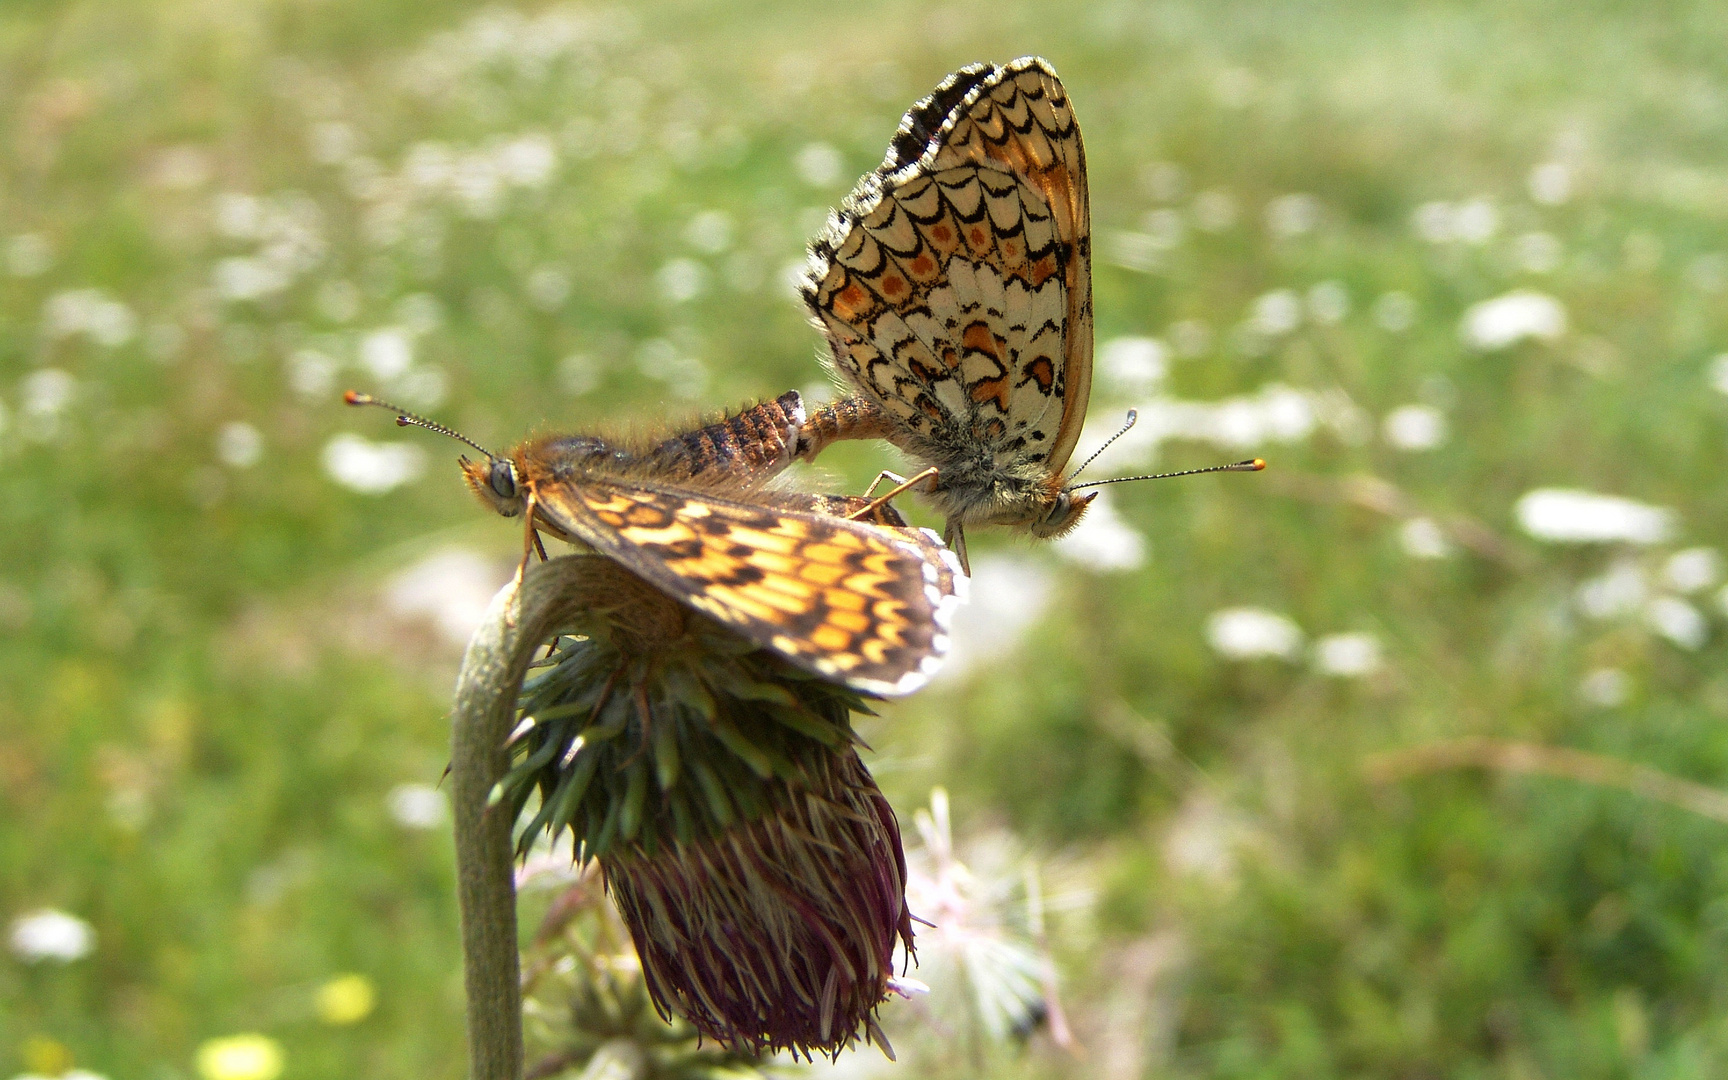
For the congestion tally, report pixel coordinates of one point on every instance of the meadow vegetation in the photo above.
(1267, 751)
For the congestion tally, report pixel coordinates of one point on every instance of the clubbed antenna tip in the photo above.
(404, 418)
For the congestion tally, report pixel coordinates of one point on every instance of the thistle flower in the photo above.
(586, 1007)
(756, 864)
(987, 936)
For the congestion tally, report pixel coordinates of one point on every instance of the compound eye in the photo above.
(1064, 503)
(503, 479)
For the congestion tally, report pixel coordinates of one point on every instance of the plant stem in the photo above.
(518, 620)
(1580, 765)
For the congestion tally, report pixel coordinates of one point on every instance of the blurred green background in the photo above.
(230, 609)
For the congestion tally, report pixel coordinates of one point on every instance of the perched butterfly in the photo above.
(954, 286)
(862, 602)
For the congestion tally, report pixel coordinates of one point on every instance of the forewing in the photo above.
(863, 605)
(954, 284)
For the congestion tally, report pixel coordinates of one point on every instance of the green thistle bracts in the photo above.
(637, 751)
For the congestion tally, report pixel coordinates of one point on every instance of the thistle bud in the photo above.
(756, 864)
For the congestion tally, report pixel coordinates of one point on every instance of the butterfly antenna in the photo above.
(404, 418)
(1133, 415)
(1252, 465)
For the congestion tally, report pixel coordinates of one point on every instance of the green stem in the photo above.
(498, 655)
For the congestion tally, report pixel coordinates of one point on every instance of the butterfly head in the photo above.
(1063, 513)
(496, 483)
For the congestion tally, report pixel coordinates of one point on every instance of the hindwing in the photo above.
(954, 284)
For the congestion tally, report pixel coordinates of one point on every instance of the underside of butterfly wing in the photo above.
(954, 287)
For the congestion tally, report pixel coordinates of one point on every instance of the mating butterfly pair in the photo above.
(954, 288)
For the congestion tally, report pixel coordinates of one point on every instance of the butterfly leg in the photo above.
(955, 537)
(881, 476)
(551, 646)
(530, 540)
(900, 484)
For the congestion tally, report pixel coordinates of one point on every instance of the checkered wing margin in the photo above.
(861, 604)
(954, 283)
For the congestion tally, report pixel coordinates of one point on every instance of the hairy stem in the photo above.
(516, 623)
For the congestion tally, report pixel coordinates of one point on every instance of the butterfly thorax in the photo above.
(506, 483)
(979, 489)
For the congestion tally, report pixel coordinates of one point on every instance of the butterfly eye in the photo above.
(1063, 507)
(503, 479)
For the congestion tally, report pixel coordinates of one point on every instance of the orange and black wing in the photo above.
(954, 283)
(864, 605)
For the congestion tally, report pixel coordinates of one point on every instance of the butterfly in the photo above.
(863, 602)
(954, 286)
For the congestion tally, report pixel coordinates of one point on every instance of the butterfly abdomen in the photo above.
(732, 452)
(755, 441)
(853, 417)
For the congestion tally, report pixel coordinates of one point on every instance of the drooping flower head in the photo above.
(755, 862)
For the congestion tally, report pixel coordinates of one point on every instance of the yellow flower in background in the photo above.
(45, 1056)
(346, 999)
(240, 1057)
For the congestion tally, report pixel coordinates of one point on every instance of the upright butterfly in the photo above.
(955, 289)
(954, 286)
(865, 603)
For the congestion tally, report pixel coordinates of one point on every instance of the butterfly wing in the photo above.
(860, 604)
(954, 284)
(950, 573)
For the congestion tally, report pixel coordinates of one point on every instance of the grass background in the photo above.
(203, 701)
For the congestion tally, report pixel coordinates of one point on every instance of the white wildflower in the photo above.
(372, 468)
(1509, 319)
(1605, 687)
(1567, 516)
(417, 806)
(819, 164)
(1134, 365)
(1103, 541)
(239, 445)
(1693, 569)
(1678, 621)
(1276, 312)
(1422, 538)
(450, 588)
(50, 934)
(1415, 427)
(1619, 591)
(1550, 183)
(1247, 632)
(1347, 655)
